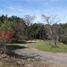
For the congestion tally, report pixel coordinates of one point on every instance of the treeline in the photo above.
(24, 29)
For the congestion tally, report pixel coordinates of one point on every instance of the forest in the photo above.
(25, 29)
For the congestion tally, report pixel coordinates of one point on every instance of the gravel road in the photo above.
(49, 56)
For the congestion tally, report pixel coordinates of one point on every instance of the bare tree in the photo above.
(48, 26)
(55, 32)
(28, 21)
(52, 30)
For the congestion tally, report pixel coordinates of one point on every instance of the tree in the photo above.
(5, 28)
(51, 31)
(37, 31)
(20, 31)
(56, 33)
(28, 21)
(63, 37)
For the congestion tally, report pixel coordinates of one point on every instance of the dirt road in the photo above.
(60, 58)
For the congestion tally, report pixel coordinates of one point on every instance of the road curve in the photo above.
(49, 56)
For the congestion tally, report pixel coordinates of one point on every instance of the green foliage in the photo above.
(24, 29)
(63, 34)
(36, 31)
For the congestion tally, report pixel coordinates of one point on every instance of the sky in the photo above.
(36, 8)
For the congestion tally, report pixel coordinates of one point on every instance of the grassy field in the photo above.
(47, 46)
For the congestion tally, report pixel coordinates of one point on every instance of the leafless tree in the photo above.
(52, 30)
(28, 21)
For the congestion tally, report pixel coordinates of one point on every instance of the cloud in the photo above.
(35, 7)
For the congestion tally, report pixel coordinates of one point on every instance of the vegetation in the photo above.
(25, 29)
(47, 46)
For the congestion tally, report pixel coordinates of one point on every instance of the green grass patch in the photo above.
(47, 46)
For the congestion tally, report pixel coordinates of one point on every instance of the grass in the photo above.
(47, 46)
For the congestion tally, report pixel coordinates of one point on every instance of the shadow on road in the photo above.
(11, 53)
(14, 47)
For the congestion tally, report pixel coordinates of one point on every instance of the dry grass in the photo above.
(18, 62)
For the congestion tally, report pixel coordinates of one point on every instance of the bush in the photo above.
(64, 39)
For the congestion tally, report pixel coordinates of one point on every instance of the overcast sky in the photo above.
(35, 7)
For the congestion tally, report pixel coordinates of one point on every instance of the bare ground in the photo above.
(33, 58)
(6, 61)
(54, 59)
